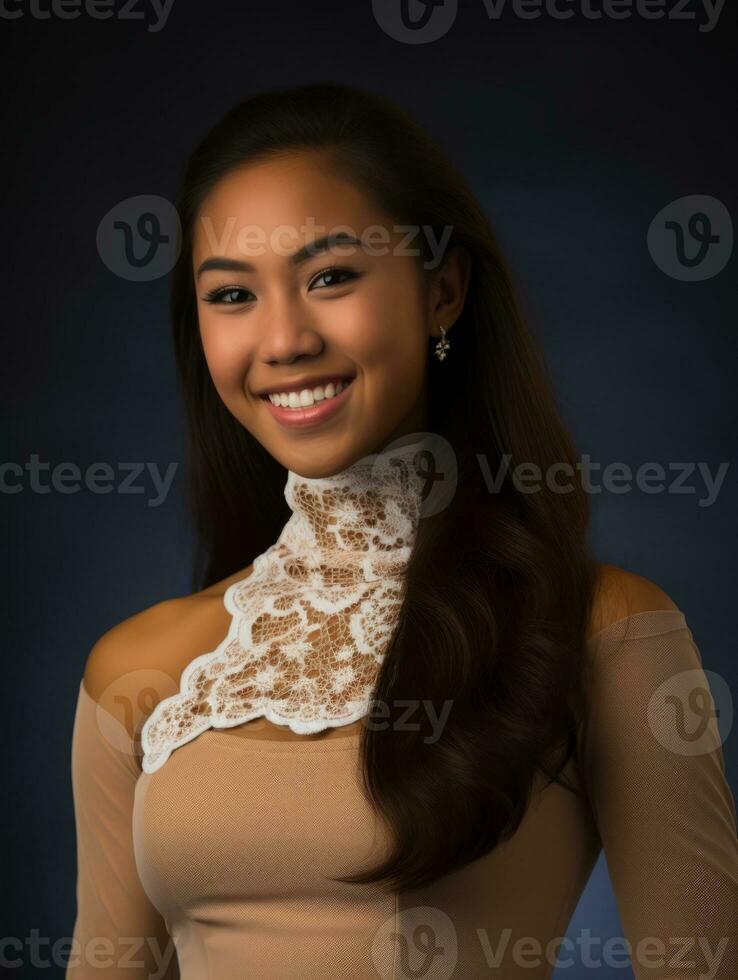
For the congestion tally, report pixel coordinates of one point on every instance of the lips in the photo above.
(310, 415)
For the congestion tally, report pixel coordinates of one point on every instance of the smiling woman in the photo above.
(456, 706)
(296, 314)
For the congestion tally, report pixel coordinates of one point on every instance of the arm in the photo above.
(117, 931)
(659, 796)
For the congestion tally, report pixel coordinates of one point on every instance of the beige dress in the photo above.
(216, 866)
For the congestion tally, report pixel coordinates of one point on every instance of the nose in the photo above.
(287, 335)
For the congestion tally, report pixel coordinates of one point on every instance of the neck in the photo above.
(367, 512)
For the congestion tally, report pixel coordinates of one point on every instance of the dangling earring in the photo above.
(442, 346)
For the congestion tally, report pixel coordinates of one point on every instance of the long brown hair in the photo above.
(500, 585)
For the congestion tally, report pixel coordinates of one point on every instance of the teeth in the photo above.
(308, 396)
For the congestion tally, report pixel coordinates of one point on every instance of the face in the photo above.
(302, 329)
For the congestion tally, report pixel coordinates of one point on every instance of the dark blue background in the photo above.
(574, 134)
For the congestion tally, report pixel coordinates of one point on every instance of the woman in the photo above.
(394, 744)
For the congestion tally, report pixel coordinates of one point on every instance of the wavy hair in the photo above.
(500, 585)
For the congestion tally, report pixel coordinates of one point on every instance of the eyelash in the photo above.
(216, 295)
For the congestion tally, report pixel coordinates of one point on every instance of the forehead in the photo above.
(293, 199)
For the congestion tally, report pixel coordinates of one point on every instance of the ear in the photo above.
(448, 289)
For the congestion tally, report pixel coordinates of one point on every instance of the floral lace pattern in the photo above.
(312, 621)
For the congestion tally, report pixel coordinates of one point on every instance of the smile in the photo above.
(309, 406)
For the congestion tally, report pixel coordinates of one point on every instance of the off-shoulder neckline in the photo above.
(285, 745)
(649, 622)
(668, 618)
(268, 744)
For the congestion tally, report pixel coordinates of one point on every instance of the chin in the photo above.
(322, 454)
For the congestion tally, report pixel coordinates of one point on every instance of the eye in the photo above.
(235, 295)
(226, 295)
(334, 271)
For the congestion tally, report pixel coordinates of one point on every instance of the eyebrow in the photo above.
(308, 251)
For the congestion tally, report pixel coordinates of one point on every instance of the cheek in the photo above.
(388, 343)
(386, 320)
(225, 352)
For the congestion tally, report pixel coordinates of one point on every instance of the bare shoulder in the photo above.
(218, 588)
(619, 594)
(140, 661)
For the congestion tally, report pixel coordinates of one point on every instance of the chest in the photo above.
(227, 816)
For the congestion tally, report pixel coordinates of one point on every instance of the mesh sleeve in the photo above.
(117, 931)
(654, 770)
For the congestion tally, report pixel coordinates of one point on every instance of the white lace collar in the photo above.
(310, 624)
